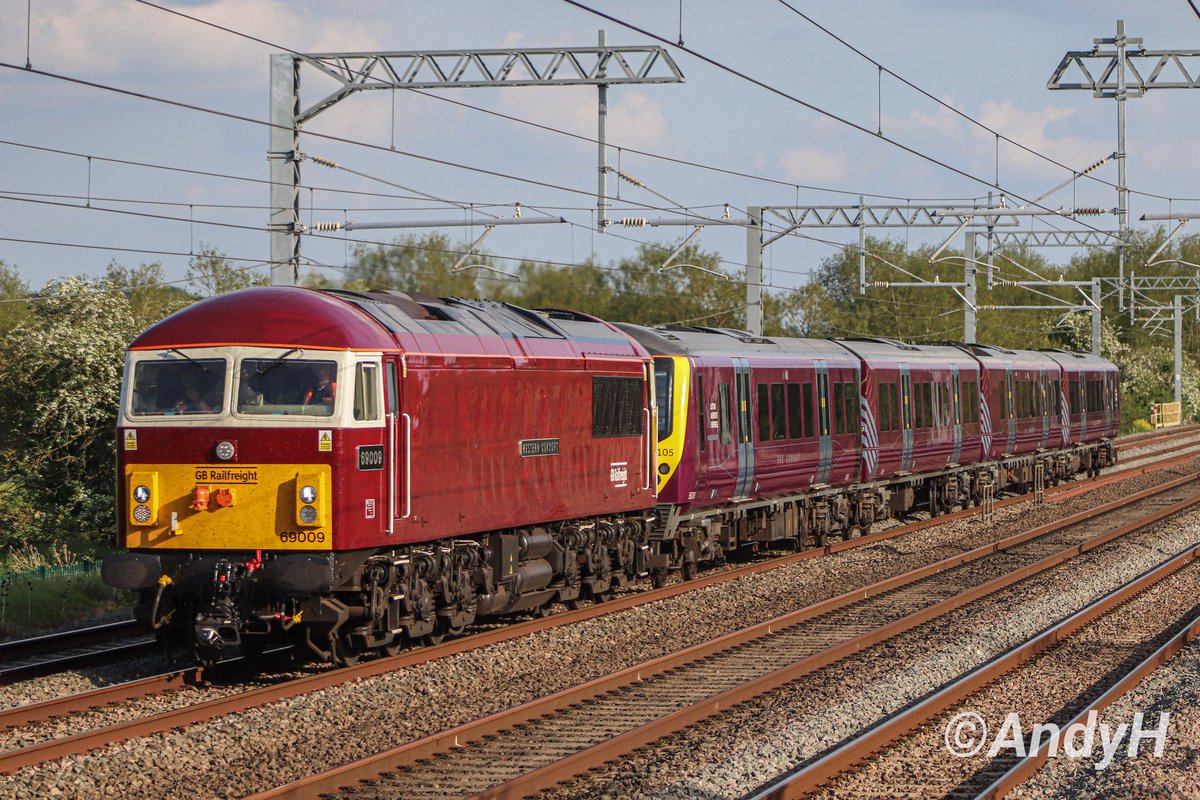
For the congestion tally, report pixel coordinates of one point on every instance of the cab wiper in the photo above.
(264, 370)
(191, 360)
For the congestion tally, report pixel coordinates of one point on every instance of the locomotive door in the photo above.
(398, 446)
(745, 439)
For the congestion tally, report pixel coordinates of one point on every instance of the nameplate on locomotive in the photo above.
(539, 447)
(370, 457)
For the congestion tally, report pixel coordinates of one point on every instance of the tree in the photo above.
(150, 296)
(13, 294)
(61, 371)
(418, 264)
(212, 273)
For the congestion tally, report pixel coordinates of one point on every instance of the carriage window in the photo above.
(191, 386)
(851, 401)
(723, 409)
(701, 412)
(778, 412)
(795, 431)
(764, 413)
(366, 391)
(885, 419)
(617, 408)
(839, 422)
(287, 387)
(927, 391)
(823, 399)
(894, 402)
(918, 404)
(808, 410)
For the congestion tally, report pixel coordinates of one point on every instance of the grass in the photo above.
(28, 606)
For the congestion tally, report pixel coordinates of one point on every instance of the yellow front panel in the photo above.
(670, 449)
(248, 507)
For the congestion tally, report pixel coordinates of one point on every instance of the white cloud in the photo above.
(813, 164)
(636, 120)
(103, 37)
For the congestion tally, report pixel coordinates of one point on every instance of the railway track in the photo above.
(21, 659)
(1080, 664)
(538, 744)
(120, 693)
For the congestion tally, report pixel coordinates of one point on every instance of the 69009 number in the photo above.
(302, 537)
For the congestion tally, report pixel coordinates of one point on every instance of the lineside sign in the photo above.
(1166, 415)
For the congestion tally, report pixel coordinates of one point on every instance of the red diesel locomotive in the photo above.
(357, 471)
(464, 457)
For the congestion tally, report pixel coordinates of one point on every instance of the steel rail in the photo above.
(814, 775)
(1140, 439)
(15, 759)
(14, 673)
(1024, 769)
(19, 648)
(547, 776)
(97, 698)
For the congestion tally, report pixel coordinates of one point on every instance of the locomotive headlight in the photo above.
(225, 450)
(663, 469)
(312, 497)
(141, 493)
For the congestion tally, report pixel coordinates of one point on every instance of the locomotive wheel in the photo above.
(439, 633)
(658, 578)
(396, 646)
(345, 653)
(689, 567)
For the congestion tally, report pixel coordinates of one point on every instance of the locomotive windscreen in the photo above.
(664, 383)
(194, 386)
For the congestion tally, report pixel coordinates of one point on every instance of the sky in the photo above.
(68, 206)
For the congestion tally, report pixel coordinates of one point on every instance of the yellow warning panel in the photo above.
(259, 511)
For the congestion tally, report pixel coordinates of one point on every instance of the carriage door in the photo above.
(399, 439)
(824, 431)
(1012, 411)
(906, 417)
(956, 411)
(745, 438)
(1046, 407)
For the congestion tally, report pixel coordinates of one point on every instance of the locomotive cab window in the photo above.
(664, 385)
(366, 391)
(287, 387)
(191, 386)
